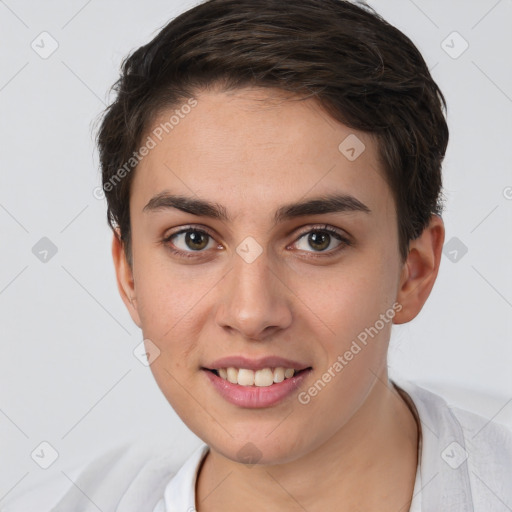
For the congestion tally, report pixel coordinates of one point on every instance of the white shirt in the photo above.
(465, 465)
(180, 496)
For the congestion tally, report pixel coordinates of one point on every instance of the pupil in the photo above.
(319, 240)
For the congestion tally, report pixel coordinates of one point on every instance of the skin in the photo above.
(354, 445)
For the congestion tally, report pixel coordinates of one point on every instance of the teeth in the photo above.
(245, 377)
(232, 375)
(261, 378)
(279, 375)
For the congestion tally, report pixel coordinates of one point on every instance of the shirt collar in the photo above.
(180, 492)
(444, 472)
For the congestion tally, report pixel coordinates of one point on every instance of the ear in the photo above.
(124, 277)
(420, 270)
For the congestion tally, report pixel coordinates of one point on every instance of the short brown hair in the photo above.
(363, 71)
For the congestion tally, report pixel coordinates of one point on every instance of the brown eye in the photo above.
(319, 241)
(196, 240)
(190, 240)
(323, 240)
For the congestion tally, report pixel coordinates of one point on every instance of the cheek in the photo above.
(169, 296)
(348, 299)
(353, 358)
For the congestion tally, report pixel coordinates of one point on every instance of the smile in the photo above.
(255, 389)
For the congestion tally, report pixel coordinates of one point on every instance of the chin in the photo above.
(259, 449)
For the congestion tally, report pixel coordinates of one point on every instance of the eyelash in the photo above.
(324, 228)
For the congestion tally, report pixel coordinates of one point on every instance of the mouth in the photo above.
(258, 387)
(256, 383)
(263, 377)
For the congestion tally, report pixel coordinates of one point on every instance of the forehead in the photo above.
(254, 148)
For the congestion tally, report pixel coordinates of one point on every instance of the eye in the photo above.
(322, 238)
(189, 240)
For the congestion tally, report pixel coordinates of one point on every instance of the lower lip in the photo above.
(254, 397)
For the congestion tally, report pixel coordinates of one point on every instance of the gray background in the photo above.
(68, 375)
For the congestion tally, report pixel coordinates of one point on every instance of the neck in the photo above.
(370, 463)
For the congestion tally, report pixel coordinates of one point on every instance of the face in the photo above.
(255, 269)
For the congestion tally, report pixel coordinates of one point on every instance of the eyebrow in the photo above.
(331, 203)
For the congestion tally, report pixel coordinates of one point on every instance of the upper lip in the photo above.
(256, 364)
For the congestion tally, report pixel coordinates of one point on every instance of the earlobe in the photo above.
(124, 277)
(420, 270)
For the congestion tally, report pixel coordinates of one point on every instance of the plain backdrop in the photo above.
(68, 375)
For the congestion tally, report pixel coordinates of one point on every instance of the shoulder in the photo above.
(488, 453)
(134, 472)
(478, 431)
(471, 452)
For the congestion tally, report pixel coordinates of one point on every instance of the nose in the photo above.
(254, 301)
